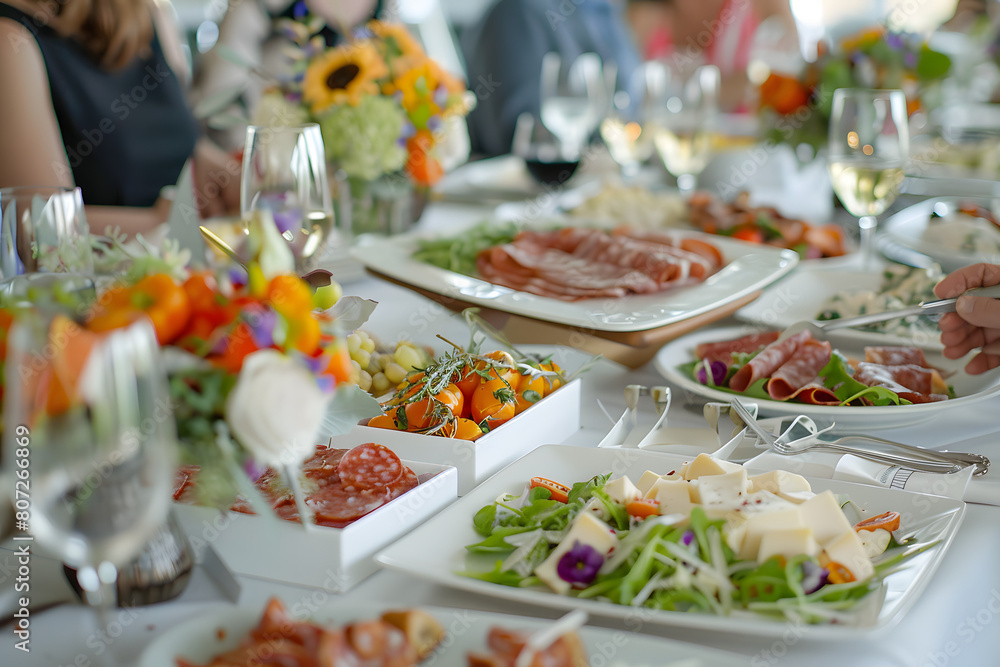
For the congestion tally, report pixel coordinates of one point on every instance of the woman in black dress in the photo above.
(87, 98)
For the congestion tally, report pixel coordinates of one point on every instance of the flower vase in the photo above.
(385, 206)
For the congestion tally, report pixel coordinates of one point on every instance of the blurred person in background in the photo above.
(248, 31)
(89, 98)
(688, 33)
(504, 53)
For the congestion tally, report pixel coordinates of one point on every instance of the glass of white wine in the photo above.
(868, 145)
(284, 172)
(682, 130)
(626, 130)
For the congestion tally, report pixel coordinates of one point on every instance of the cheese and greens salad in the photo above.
(706, 537)
(901, 287)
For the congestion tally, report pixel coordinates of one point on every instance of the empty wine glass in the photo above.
(626, 130)
(574, 98)
(868, 145)
(284, 173)
(682, 129)
(91, 416)
(43, 230)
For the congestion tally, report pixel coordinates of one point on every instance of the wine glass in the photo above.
(573, 99)
(43, 230)
(682, 131)
(626, 130)
(284, 173)
(868, 145)
(91, 418)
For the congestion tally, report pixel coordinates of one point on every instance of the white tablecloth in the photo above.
(956, 621)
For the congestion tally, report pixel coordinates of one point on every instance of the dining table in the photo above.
(955, 621)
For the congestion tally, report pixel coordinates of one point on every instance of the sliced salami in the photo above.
(337, 506)
(908, 376)
(770, 359)
(723, 350)
(810, 357)
(369, 466)
(896, 356)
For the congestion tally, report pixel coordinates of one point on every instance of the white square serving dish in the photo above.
(555, 418)
(334, 559)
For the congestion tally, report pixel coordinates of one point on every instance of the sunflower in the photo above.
(343, 74)
(397, 40)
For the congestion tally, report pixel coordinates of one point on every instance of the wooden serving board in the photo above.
(631, 348)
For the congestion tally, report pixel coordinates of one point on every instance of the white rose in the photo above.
(276, 408)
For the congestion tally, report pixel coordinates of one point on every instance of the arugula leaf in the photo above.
(496, 541)
(617, 513)
(484, 520)
(495, 576)
(584, 490)
(837, 377)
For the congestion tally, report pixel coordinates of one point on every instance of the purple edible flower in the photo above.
(894, 41)
(687, 538)
(814, 577)
(719, 372)
(580, 564)
(300, 10)
(238, 276)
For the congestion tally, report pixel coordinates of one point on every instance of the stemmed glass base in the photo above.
(867, 223)
(686, 183)
(99, 585)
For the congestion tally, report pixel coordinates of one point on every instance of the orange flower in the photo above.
(784, 94)
(397, 39)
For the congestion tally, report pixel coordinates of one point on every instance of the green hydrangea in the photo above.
(362, 140)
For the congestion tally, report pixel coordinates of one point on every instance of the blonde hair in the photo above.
(113, 31)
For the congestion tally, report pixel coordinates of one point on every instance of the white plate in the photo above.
(969, 388)
(436, 550)
(799, 297)
(749, 267)
(198, 639)
(908, 226)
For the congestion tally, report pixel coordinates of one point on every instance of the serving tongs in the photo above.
(935, 307)
(811, 438)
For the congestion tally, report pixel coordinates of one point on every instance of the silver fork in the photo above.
(914, 458)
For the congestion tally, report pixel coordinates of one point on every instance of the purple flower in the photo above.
(719, 372)
(261, 321)
(408, 130)
(440, 96)
(814, 577)
(363, 32)
(288, 221)
(687, 538)
(238, 276)
(894, 41)
(580, 564)
(253, 469)
(325, 383)
(434, 123)
(300, 10)
(910, 59)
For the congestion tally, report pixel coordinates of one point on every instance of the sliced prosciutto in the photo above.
(576, 263)
(896, 356)
(801, 368)
(723, 350)
(767, 361)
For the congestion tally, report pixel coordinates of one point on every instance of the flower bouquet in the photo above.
(796, 105)
(386, 110)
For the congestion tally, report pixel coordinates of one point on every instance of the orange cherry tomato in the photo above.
(408, 387)
(493, 402)
(462, 429)
(425, 413)
(290, 296)
(505, 368)
(888, 521)
(467, 380)
(303, 334)
(530, 390)
(556, 490)
(239, 345)
(643, 507)
(839, 573)
(383, 421)
(749, 234)
(552, 382)
(340, 363)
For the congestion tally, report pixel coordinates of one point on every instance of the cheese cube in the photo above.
(822, 513)
(797, 497)
(704, 466)
(761, 502)
(673, 496)
(586, 529)
(787, 542)
(759, 525)
(778, 482)
(646, 482)
(847, 550)
(622, 490)
(726, 490)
